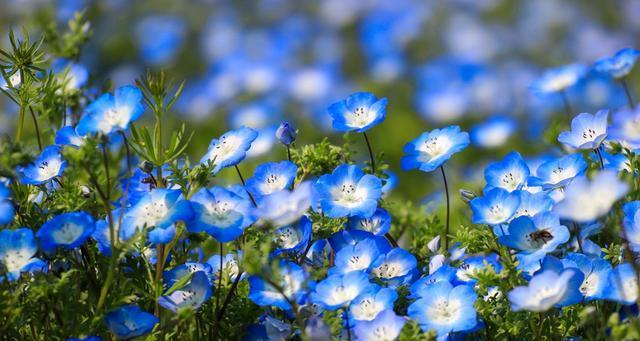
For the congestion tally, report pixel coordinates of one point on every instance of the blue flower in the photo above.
(496, 206)
(585, 200)
(379, 223)
(68, 136)
(291, 279)
(47, 166)
(596, 273)
(110, 113)
(192, 295)
(511, 173)
(170, 277)
(492, 132)
(618, 65)
(358, 112)
(471, 266)
(357, 257)
(286, 133)
(348, 192)
(6, 207)
(535, 237)
(72, 76)
(560, 78)
(587, 131)
(623, 285)
(533, 203)
(293, 239)
(445, 308)
(159, 208)
(69, 230)
(344, 238)
(372, 302)
(631, 224)
(386, 326)
(432, 149)
(625, 127)
(548, 289)
(338, 291)
(221, 213)
(130, 321)
(420, 288)
(230, 149)
(271, 177)
(17, 248)
(102, 233)
(559, 172)
(159, 38)
(397, 267)
(230, 266)
(285, 207)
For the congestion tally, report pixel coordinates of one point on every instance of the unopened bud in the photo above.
(286, 133)
(466, 195)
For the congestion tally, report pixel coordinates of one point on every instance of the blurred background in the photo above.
(259, 62)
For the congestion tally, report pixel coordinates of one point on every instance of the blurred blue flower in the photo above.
(291, 279)
(192, 295)
(560, 78)
(6, 207)
(432, 149)
(17, 248)
(285, 207)
(170, 277)
(338, 291)
(625, 127)
(68, 230)
(619, 65)
(386, 326)
(631, 224)
(623, 285)
(47, 166)
(358, 112)
(548, 289)
(159, 38)
(348, 192)
(230, 149)
(110, 113)
(293, 239)
(130, 321)
(492, 132)
(72, 75)
(68, 136)
(230, 265)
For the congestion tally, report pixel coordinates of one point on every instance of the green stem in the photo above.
(627, 92)
(371, 156)
(20, 124)
(35, 124)
(446, 192)
(245, 186)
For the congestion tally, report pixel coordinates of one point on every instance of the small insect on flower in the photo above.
(47, 166)
(358, 112)
(111, 113)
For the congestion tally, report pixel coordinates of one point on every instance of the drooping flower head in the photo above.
(130, 321)
(17, 248)
(587, 131)
(432, 149)
(386, 326)
(548, 289)
(110, 113)
(585, 200)
(68, 230)
(445, 308)
(192, 295)
(348, 192)
(47, 166)
(271, 177)
(337, 291)
(618, 65)
(496, 206)
(221, 213)
(358, 112)
(511, 173)
(559, 172)
(230, 148)
(159, 208)
(560, 78)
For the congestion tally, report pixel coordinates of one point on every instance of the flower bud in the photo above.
(286, 133)
(467, 195)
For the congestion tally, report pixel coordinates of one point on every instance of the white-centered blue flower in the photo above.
(379, 223)
(385, 327)
(444, 308)
(585, 200)
(548, 289)
(68, 136)
(358, 112)
(357, 257)
(619, 65)
(533, 203)
(221, 213)
(130, 321)
(496, 206)
(560, 78)
(587, 131)
(372, 302)
(625, 127)
(338, 291)
(432, 149)
(623, 285)
(396, 267)
(271, 177)
(293, 238)
(159, 208)
(444, 273)
(290, 278)
(230, 265)
(230, 149)
(348, 192)
(471, 266)
(110, 113)
(68, 230)
(47, 166)
(286, 207)
(511, 173)
(596, 273)
(170, 277)
(192, 295)
(559, 172)
(493, 132)
(17, 250)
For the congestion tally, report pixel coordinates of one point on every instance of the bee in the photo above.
(541, 236)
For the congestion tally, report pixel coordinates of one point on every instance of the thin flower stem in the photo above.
(627, 92)
(128, 180)
(35, 125)
(446, 192)
(245, 187)
(576, 231)
(391, 240)
(219, 278)
(227, 299)
(371, 156)
(599, 153)
(346, 320)
(20, 124)
(289, 152)
(567, 105)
